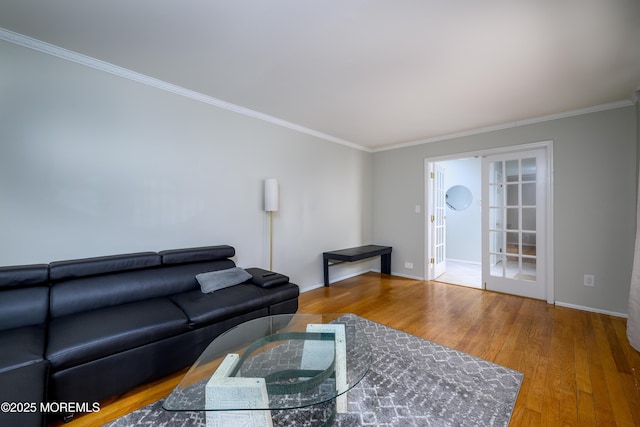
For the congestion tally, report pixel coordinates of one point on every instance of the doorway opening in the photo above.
(462, 222)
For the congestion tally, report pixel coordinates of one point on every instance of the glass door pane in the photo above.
(439, 253)
(497, 219)
(512, 218)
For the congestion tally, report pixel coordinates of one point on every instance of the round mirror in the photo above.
(459, 197)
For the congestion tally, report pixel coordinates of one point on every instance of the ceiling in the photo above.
(374, 73)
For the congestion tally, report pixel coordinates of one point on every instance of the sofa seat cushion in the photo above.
(203, 309)
(21, 347)
(91, 335)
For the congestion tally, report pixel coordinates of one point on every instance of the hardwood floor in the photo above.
(579, 367)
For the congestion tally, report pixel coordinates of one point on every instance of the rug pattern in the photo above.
(411, 382)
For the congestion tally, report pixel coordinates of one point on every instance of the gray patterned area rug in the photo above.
(411, 382)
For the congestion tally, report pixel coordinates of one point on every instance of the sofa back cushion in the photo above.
(205, 253)
(90, 284)
(65, 270)
(24, 296)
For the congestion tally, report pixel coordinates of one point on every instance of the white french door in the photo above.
(514, 209)
(438, 219)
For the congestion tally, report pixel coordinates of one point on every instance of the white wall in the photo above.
(594, 200)
(93, 164)
(464, 228)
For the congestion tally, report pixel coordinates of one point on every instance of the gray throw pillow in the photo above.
(220, 279)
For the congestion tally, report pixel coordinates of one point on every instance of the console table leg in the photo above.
(385, 264)
(326, 271)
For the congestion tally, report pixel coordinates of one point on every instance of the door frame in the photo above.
(428, 167)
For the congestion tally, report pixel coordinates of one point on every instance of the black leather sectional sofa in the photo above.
(84, 330)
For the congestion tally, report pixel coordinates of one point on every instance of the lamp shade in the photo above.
(271, 197)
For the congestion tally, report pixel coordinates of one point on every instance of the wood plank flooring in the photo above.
(579, 367)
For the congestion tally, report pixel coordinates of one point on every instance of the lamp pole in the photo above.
(271, 201)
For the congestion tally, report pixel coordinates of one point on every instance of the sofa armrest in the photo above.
(266, 278)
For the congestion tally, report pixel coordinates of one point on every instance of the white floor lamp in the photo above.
(271, 200)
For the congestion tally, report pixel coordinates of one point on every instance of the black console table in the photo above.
(357, 254)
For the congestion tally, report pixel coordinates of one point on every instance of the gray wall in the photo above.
(594, 200)
(93, 164)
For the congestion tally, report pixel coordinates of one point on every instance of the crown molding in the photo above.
(78, 58)
(53, 50)
(563, 115)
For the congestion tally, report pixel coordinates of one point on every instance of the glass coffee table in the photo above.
(260, 369)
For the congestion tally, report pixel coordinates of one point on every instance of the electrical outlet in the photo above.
(590, 280)
(408, 265)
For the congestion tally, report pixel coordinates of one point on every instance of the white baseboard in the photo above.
(406, 276)
(349, 276)
(332, 280)
(395, 273)
(591, 309)
(308, 288)
(464, 261)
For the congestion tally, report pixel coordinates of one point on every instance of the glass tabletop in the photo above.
(283, 361)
